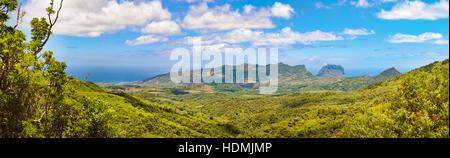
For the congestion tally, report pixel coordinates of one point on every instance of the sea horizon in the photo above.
(129, 74)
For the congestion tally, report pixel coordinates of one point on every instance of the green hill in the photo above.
(387, 74)
(356, 83)
(411, 105)
(92, 112)
(287, 74)
(135, 117)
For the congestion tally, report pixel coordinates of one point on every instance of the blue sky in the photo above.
(119, 41)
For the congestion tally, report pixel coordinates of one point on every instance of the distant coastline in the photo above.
(121, 75)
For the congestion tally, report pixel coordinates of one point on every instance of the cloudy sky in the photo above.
(118, 40)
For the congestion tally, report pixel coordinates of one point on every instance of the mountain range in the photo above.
(290, 78)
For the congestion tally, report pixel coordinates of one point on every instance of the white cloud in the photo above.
(240, 35)
(341, 2)
(233, 37)
(282, 10)
(95, 17)
(288, 37)
(248, 8)
(361, 4)
(388, 1)
(217, 48)
(220, 18)
(441, 41)
(146, 39)
(320, 5)
(313, 59)
(194, 1)
(414, 10)
(435, 38)
(223, 18)
(357, 32)
(156, 32)
(165, 27)
(258, 38)
(355, 3)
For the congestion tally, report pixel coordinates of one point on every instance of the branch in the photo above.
(40, 118)
(18, 17)
(51, 24)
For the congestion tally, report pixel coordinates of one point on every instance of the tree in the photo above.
(32, 83)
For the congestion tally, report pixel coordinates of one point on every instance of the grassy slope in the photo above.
(379, 110)
(135, 117)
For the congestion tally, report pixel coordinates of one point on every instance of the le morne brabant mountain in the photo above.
(331, 71)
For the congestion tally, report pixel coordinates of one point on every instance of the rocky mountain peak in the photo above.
(331, 71)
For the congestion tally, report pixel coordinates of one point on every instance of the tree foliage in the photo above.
(35, 92)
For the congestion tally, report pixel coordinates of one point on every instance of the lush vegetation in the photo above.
(37, 99)
(411, 105)
(33, 85)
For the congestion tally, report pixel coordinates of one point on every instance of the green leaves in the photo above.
(33, 85)
(50, 9)
(6, 7)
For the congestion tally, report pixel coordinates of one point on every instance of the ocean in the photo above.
(114, 74)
